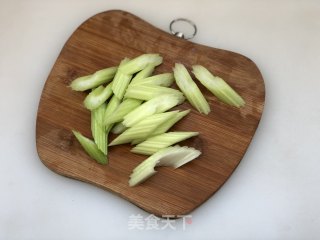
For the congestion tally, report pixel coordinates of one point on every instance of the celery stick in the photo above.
(111, 107)
(164, 79)
(172, 156)
(93, 80)
(97, 127)
(156, 105)
(218, 87)
(118, 128)
(146, 72)
(124, 108)
(97, 96)
(147, 92)
(143, 128)
(168, 124)
(190, 89)
(121, 80)
(164, 126)
(91, 148)
(141, 62)
(154, 144)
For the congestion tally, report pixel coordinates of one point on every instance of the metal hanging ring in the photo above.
(181, 34)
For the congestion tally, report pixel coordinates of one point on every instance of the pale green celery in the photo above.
(172, 156)
(164, 126)
(124, 108)
(164, 80)
(218, 86)
(97, 96)
(190, 89)
(121, 80)
(91, 148)
(141, 62)
(147, 92)
(154, 144)
(93, 80)
(118, 128)
(111, 107)
(97, 127)
(143, 128)
(156, 105)
(168, 124)
(146, 72)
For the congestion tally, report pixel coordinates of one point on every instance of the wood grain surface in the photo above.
(102, 41)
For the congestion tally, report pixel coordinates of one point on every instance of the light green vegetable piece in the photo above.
(149, 91)
(218, 87)
(144, 73)
(137, 64)
(124, 108)
(118, 128)
(143, 128)
(97, 97)
(97, 127)
(121, 80)
(190, 89)
(164, 80)
(94, 80)
(156, 105)
(164, 126)
(172, 156)
(91, 148)
(154, 144)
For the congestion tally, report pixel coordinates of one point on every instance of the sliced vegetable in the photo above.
(164, 79)
(97, 96)
(154, 144)
(93, 80)
(164, 126)
(156, 105)
(118, 128)
(146, 72)
(124, 108)
(121, 80)
(218, 87)
(148, 91)
(190, 89)
(172, 156)
(143, 128)
(111, 107)
(141, 62)
(97, 127)
(91, 148)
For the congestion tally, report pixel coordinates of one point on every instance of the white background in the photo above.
(273, 194)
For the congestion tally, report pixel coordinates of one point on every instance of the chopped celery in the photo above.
(91, 148)
(156, 105)
(172, 156)
(164, 126)
(168, 124)
(148, 91)
(93, 80)
(190, 89)
(154, 144)
(146, 72)
(143, 128)
(141, 62)
(218, 87)
(118, 128)
(97, 96)
(97, 127)
(124, 108)
(164, 79)
(111, 107)
(121, 80)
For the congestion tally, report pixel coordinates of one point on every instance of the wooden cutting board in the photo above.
(225, 134)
